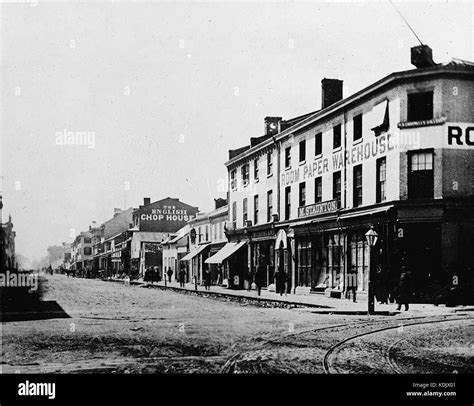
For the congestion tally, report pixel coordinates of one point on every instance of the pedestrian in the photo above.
(182, 277)
(351, 285)
(403, 288)
(381, 287)
(169, 273)
(259, 279)
(207, 279)
(280, 280)
(249, 277)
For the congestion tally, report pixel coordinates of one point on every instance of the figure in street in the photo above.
(403, 289)
(207, 279)
(259, 279)
(182, 277)
(351, 283)
(169, 273)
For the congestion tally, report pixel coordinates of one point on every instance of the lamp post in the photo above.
(371, 237)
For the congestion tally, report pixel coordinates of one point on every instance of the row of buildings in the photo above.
(396, 156)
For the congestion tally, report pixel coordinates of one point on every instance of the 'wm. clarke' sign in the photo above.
(316, 209)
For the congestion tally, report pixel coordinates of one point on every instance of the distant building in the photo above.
(207, 237)
(175, 248)
(81, 251)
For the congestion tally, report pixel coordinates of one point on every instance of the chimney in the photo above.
(219, 202)
(422, 56)
(146, 201)
(331, 92)
(117, 212)
(272, 125)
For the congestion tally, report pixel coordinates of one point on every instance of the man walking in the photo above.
(182, 277)
(169, 273)
(351, 283)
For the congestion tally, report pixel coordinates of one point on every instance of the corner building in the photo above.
(397, 156)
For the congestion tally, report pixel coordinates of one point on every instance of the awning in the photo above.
(380, 117)
(192, 254)
(367, 212)
(226, 251)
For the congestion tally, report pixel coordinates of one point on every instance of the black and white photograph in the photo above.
(281, 190)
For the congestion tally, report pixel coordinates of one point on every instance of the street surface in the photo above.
(116, 328)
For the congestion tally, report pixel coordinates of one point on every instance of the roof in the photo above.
(179, 234)
(454, 67)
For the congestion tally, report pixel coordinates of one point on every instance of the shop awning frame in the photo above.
(225, 252)
(192, 254)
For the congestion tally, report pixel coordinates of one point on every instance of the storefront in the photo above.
(232, 257)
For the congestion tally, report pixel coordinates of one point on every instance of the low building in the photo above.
(174, 249)
(207, 238)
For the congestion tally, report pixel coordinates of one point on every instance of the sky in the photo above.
(105, 103)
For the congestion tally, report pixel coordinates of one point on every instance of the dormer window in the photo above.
(420, 106)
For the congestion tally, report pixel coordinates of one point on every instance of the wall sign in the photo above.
(316, 209)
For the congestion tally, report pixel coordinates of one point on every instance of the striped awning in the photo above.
(225, 252)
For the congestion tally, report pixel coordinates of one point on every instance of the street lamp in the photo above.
(372, 238)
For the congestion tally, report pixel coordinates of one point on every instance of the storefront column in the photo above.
(292, 259)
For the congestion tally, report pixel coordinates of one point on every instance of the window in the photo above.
(287, 202)
(87, 251)
(269, 205)
(336, 136)
(304, 262)
(381, 179)
(357, 121)
(234, 212)
(245, 215)
(269, 164)
(420, 175)
(233, 179)
(255, 169)
(87, 240)
(255, 209)
(302, 194)
(318, 147)
(245, 174)
(420, 106)
(288, 157)
(302, 150)
(357, 185)
(207, 233)
(336, 186)
(318, 190)
(199, 234)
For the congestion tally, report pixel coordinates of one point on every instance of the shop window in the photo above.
(336, 131)
(336, 186)
(420, 175)
(269, 205)
(318, 189)
(255, 209)
(244, 211)
(302, 194)
(357, 185)
(420, 106)
(359, 259)
(381, 179)
(335, 260)
(287, 202)
(255, 169)
(302, 150)
(357, 122)
(304, 262)
(318, 141)
(287, 157)
(269, 164)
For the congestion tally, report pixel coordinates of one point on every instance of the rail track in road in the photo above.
(232, 364)
(334, 349)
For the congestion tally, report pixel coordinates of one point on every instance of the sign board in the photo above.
(167, 215)
(152, 247)
(317, 209)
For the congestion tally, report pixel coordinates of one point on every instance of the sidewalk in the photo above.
(319, 302)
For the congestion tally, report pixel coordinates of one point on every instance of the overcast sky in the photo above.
(165, 89)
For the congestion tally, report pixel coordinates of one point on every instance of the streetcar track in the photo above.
(332, 350)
